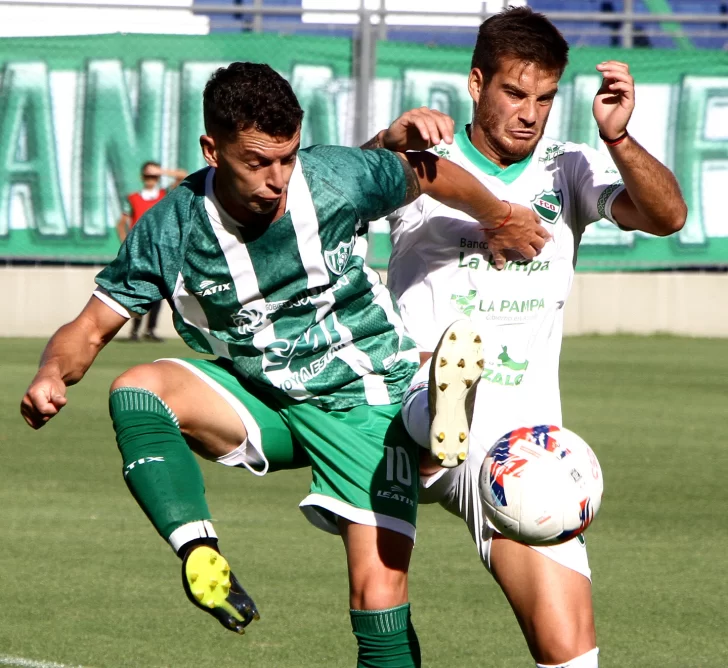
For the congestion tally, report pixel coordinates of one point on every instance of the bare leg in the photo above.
(552, 603)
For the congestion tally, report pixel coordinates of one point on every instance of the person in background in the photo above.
(135, 206)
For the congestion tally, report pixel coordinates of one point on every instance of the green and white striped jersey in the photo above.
(294, 306)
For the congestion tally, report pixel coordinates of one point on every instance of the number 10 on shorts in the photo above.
(398, 463)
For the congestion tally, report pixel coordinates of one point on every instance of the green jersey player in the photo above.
(261, 257)
(516, 315)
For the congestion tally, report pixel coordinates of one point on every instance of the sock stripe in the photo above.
(139, 399)
(391, 620)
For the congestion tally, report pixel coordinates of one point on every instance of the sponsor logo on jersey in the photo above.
(248, 320)
(478, 262)
(336, 259)
(506, 361)
(547, 204)
(442, 151)
(552, 152)
(464, 303)
(208, 288)
(322, 338)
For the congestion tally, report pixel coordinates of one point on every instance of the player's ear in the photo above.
(209, 150)
(475, 84)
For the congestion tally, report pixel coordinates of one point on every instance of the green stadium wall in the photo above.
(79, 115)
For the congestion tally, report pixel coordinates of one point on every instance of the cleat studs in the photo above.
(193, 577)
(256, 616)
(211, 604)
(199, 594)
(477, 339)
(441, 456)
(462, 436)
(481, 363)
(442, 387)
(461, 364)
(443, 361)
(453, 336)
(462, 456)
(213, 558)
(225, 571)
(468, 382)
(441, 437)
(213, 584)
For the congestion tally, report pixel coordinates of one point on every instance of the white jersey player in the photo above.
(441, 271)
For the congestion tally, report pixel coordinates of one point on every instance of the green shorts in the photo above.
(364, 465)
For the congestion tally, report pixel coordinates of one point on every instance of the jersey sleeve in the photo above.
(597, 184)
(143, 272)
(372, 180)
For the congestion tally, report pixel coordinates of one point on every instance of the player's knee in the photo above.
(378, 591)
(559, 646)
(143, 376)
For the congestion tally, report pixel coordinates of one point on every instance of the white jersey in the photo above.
(439, 271)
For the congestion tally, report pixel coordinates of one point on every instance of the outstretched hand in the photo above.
(614, 101)
(418, 130)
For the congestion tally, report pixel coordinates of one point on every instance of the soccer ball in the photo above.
(541, 485)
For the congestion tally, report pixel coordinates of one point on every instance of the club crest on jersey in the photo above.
(336, 259)
(547, 204)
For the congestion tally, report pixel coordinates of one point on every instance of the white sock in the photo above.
(191, 531)
(416, 409)
(588, 660)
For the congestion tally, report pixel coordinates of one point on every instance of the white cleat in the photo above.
(455, 370)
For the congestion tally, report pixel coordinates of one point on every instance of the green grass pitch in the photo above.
(85, 580)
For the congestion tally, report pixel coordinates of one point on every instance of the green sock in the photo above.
(386, 638)
(159, 468)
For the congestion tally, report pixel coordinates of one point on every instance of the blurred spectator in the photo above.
(135, 206)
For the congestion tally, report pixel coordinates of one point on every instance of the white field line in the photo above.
(20, 662)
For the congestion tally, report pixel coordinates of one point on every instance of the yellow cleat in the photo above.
(222, 596)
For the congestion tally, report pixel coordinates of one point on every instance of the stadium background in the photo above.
(90, 91)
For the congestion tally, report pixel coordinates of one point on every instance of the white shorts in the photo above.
(457, 491)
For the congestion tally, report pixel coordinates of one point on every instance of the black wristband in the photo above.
(614, 142)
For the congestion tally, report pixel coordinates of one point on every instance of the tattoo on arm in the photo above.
(373, 143)
(413, 189)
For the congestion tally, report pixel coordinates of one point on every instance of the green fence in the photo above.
(78, 116)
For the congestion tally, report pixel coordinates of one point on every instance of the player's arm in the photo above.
(66, 358)
(507, 227)
(178, 175)
(122, 227)
(651, 201)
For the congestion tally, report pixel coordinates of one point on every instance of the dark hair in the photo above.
(149, 163)
(521, 33)
(250, 95)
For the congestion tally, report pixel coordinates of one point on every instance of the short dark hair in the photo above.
(250, 95)
(149, 163)
(519, 32)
